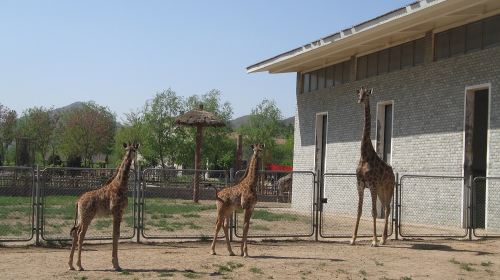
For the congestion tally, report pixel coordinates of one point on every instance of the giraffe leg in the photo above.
(361, 193)
(387, 210)
(246, 225)
(226, 233)
(74, 235)
(218, 225)
(117, 218)
(374, 215)
(81, 236)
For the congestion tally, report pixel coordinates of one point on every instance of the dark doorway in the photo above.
(321, 132)
(476, 144)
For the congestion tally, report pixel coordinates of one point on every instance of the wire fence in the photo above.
(486, 206)
(17, 192)
(340, 208)
(41, 204)
(59, 191)
(433, 206)
(284, 208)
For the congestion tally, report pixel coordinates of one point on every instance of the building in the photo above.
(434, 66)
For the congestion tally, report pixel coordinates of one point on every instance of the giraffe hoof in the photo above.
(71, 268)
(213, 253)
(232, 254)
(374, 244)
(117, 268)
(81, 269)
(352, 242)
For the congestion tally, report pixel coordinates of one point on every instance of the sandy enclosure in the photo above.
(419, 259)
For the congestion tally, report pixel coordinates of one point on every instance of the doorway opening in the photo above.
(476, 150)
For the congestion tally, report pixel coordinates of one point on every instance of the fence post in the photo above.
(137, 205)
(470, 210)
(316, 205)
(396, 207)
(37, 205)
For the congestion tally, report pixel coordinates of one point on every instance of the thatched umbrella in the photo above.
(200, 119)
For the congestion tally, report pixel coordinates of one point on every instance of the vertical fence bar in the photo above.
(37, 205)
(470, 210)
(137, 200)
(395, 211)
(316, 205)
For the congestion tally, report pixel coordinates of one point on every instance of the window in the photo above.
(407, 55)
(395, 58)
(384, 130)
(419, 51)
(361, 70)
(383, 61)
(491, 31)
(457, 41)
(329, 76)
(467, 38)
(306, 81)
(371, 68)
(346, 71)
(314, 81)
(321, 78)
(442, 45)
(474, 36)
(338, 74)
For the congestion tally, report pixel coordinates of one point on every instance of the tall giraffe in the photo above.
(372, 173)
(110, 199)
(242, 195)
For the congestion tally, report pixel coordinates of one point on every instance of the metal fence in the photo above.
(339, 208)
(17, 194)
(432, 206)
(41, 205)
(59, 191)
(285, 206)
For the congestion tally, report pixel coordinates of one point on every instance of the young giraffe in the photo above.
(372, 173)
(242, 195)
(110, 199)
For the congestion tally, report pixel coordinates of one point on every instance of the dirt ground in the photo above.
(410, 259)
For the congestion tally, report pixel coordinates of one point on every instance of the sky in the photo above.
(121, 53)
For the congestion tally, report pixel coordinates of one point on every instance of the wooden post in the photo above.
(197, 161)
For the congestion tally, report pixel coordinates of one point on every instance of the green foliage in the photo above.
(38, 125)
(269, 216)
(87, 131)
(8, 120)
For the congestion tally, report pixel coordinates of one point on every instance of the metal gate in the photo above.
(432, 206)
(17, 194)
(486, 190)
(167, 210)
(282, 210)
(60, 189)
(338, 206)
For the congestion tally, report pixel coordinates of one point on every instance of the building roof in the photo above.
(395, 27)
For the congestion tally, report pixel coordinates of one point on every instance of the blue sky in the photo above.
(120, 53)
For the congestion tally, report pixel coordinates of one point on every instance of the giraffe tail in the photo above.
(75, 227)
(216, 192)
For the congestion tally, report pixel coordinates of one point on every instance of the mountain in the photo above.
(68, 107)
(236, 123)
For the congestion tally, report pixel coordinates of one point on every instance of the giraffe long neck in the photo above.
(366, 142)
(123, 170)
(251, 174)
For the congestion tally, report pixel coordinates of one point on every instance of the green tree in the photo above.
(38, 125)
(132, 130)
(87, 131)
(8, 120)
(163, 137)
(263, 126)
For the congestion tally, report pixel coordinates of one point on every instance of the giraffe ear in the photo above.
(125, 145)
(252, 146)
(370, 92)
(137, 145)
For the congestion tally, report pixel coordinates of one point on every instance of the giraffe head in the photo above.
(364, 94)
(258, 149)
(131, 149)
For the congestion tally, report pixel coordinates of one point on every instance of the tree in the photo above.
(8, 120)
(133, 130)
(263, 127)
(38, 125)
(87, 131)
(164, 137)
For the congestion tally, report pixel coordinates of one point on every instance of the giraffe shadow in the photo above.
(296, 258)
(445, 248)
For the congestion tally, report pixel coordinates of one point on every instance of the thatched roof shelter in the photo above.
(200, 119)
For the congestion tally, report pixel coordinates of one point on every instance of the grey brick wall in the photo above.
(428, 123)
